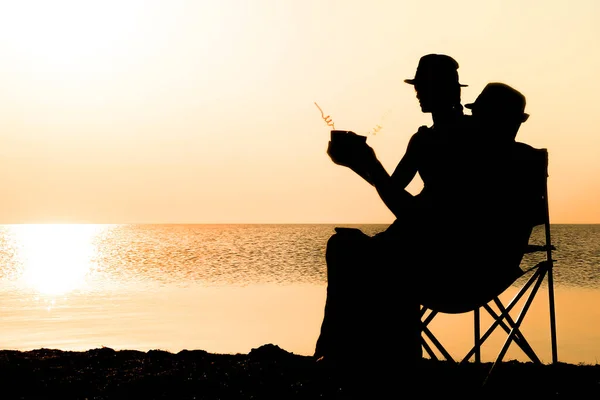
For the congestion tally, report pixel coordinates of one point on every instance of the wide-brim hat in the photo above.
(436, 68)
(502, 98)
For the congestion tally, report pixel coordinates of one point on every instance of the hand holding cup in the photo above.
(345, 147)
(348, 149)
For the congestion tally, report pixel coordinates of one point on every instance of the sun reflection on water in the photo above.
(57, 258)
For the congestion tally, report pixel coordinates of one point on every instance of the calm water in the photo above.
(229, 288)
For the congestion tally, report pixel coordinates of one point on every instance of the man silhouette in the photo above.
(499, 111)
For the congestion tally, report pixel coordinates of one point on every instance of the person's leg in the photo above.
(393, 341)
(343, 256)
(371, 325)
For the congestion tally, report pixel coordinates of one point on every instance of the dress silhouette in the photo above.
(371, 303)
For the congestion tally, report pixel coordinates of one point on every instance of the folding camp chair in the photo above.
(525, 294)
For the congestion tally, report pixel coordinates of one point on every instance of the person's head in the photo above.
(436, 83)
(499, 110)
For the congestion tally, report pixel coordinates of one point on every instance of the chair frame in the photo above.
(502, 318)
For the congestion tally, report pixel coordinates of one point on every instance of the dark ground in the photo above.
(267, 372)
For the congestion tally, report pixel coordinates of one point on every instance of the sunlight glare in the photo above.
(70, 36)
(56, 258)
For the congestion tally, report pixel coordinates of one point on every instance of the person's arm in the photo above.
(356, 164)
(407, 168)
(391, 189)
(391, 192)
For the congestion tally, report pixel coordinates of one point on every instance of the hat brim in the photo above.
(414, 82)
(524, 117)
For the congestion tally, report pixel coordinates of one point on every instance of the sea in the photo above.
(229, 288)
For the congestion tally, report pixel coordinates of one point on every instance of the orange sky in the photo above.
(203, 111)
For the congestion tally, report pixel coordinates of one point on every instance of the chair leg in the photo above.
(518, 338)
(428, 349)
(511, 327)
(499, 320)
(552, 315)
(437, 344)
(477, 344)
(520, 318)
(425, 330)
(429, 318)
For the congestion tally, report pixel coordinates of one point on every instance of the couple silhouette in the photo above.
(474, 193)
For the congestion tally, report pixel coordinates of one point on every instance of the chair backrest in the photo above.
(465, 284)
(531, 181)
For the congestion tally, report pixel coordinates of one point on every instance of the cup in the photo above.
(347, 148)
(346, 138)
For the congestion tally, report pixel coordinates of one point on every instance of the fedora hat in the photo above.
(439, 67)
(499, 96)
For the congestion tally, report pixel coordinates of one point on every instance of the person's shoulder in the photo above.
(520, 146)
(529, 157)
(423, 131)
(526, 150)
(420, 138)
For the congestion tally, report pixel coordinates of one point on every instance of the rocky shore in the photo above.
(267, 372)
